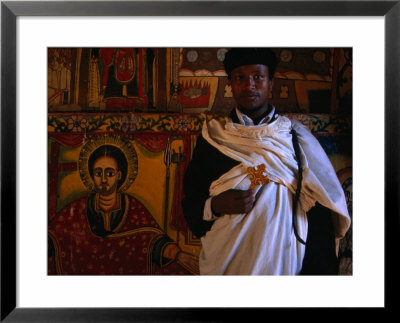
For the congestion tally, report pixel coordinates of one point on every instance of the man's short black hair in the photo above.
(114, 152)
(250, 56)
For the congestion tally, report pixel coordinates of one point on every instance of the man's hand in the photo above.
(233, 202)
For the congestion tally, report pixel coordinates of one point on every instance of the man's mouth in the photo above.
(251, 95)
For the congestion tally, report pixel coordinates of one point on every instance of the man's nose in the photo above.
(250, 83)
(103, 178)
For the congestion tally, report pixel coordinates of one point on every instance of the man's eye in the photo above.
(110, 174)
(259, 77)
(98, 174)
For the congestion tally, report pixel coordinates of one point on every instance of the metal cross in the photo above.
(257, 175)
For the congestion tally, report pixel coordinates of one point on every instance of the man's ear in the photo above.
(119, 175)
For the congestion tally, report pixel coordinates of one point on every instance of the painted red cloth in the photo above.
(134, 245)
(125, 65)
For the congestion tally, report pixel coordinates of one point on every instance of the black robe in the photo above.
(208, 164)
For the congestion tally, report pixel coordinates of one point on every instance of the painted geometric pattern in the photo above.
(125, 122)
(187, 123)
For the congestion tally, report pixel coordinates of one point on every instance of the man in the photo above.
(111, 233)
(259, 185)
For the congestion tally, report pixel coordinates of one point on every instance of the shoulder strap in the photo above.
(299, 182)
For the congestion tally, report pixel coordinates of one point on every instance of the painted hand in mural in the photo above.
(233, 202)
(189, 262)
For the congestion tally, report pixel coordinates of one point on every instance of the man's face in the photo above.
(251, 86)
(106, 175)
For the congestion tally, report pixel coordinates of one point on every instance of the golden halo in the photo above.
(113, 140)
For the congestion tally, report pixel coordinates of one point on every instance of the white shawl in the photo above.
(262, 241)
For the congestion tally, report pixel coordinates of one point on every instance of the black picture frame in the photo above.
(10, 10)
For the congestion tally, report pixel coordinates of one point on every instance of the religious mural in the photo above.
(59, 76)
(192, 80)
(115, 185)
(307, 80)
(103, 79)
(122, 125)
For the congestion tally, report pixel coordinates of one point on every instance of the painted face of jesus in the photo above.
(106, 175)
